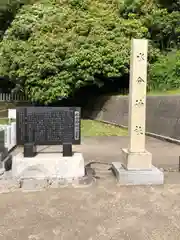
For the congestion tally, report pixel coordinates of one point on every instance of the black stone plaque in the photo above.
(48, 125)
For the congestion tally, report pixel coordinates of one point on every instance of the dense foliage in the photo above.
(165, 73)
(162, 19)
(54, 47)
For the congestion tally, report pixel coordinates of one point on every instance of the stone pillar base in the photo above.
(141, 177)
(136, 161)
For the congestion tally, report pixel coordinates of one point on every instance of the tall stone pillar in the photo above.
(135, 156)
(136, 164)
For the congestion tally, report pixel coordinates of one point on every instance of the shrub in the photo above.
(165, 73)
(52, 49)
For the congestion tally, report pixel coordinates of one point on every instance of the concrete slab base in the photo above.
(136, 160)
(48, 166)
(28, 185)
(137, 177)
(9, 185)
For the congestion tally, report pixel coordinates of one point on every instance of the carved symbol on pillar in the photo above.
(139, 103)
(140, 80)
(140, 57)
(139, 130)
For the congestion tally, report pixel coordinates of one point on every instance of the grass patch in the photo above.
(161, 93)
(153, 93)
(5, 121)
(94, 128)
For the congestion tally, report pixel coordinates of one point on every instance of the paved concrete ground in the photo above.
(103, 211)
(108, 149)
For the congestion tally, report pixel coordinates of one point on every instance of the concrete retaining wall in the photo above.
(162, 113)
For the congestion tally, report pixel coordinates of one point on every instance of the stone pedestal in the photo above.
(48, 166)
(152, 176)
(136, 160)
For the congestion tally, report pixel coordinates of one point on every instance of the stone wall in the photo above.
(162, 113)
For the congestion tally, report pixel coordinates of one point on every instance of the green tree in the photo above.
(165, 73)
(52, 48)
(163, 26)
